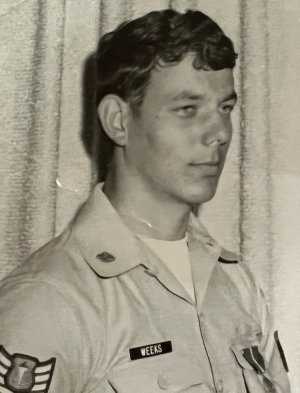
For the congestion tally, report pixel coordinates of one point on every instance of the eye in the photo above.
(227, 107)
(186, 110)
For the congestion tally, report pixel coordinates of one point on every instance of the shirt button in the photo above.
(220, 386)
(162, 382)
(202, 318)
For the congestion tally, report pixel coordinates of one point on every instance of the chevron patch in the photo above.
(20, 373)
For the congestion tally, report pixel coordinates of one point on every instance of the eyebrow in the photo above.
(185, 94)
(231, 96)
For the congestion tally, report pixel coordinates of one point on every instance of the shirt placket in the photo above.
(158, 270)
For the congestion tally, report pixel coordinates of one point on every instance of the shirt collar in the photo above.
(109, 247)
(198, 233)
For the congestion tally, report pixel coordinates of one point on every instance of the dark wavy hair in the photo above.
(126, 56)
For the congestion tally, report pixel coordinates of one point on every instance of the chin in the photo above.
(200, 194)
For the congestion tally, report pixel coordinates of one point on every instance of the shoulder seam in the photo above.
(66, 299)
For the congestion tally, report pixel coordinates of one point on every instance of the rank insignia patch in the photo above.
(21, 373)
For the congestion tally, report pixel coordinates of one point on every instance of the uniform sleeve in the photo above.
(40, 340)
(276, 363)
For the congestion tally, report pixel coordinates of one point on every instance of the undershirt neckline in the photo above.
(175, 255)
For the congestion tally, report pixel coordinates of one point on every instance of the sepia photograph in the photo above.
(149, 196)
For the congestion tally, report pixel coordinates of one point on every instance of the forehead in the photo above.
(173, 82)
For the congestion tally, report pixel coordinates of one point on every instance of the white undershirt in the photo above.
(175, 255)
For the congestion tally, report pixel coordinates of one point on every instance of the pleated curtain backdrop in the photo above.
(48, 126)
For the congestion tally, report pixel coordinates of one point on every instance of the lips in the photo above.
(210, 168)
(209, 163)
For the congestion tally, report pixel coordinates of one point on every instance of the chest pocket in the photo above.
(145, 376)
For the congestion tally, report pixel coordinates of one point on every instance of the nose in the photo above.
(219, 131)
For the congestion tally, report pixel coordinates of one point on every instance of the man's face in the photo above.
(179, 139)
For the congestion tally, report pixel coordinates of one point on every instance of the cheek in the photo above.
(161, 141)
(165, 137)
(175, 135)
(163, 157)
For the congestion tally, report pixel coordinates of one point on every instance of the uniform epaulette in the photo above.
(228, 257)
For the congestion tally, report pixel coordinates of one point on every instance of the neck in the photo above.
(144, 211)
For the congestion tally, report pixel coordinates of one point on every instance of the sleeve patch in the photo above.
(280, 349)
(23, 373)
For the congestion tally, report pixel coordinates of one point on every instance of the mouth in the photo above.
(210, 168)
(209, 163)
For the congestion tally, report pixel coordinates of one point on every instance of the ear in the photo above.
(113, 113)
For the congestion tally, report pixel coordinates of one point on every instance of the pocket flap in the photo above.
(246, 350)
(179, 379)
(177, 376)
(239, 353)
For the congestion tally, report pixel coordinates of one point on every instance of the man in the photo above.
(135, 296)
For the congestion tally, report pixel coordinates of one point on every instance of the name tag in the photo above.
(147, 351)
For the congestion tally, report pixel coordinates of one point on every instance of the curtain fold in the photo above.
(31, 62)
(48, 134)
(256, 184)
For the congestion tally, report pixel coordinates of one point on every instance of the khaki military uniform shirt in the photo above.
(96, 311)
